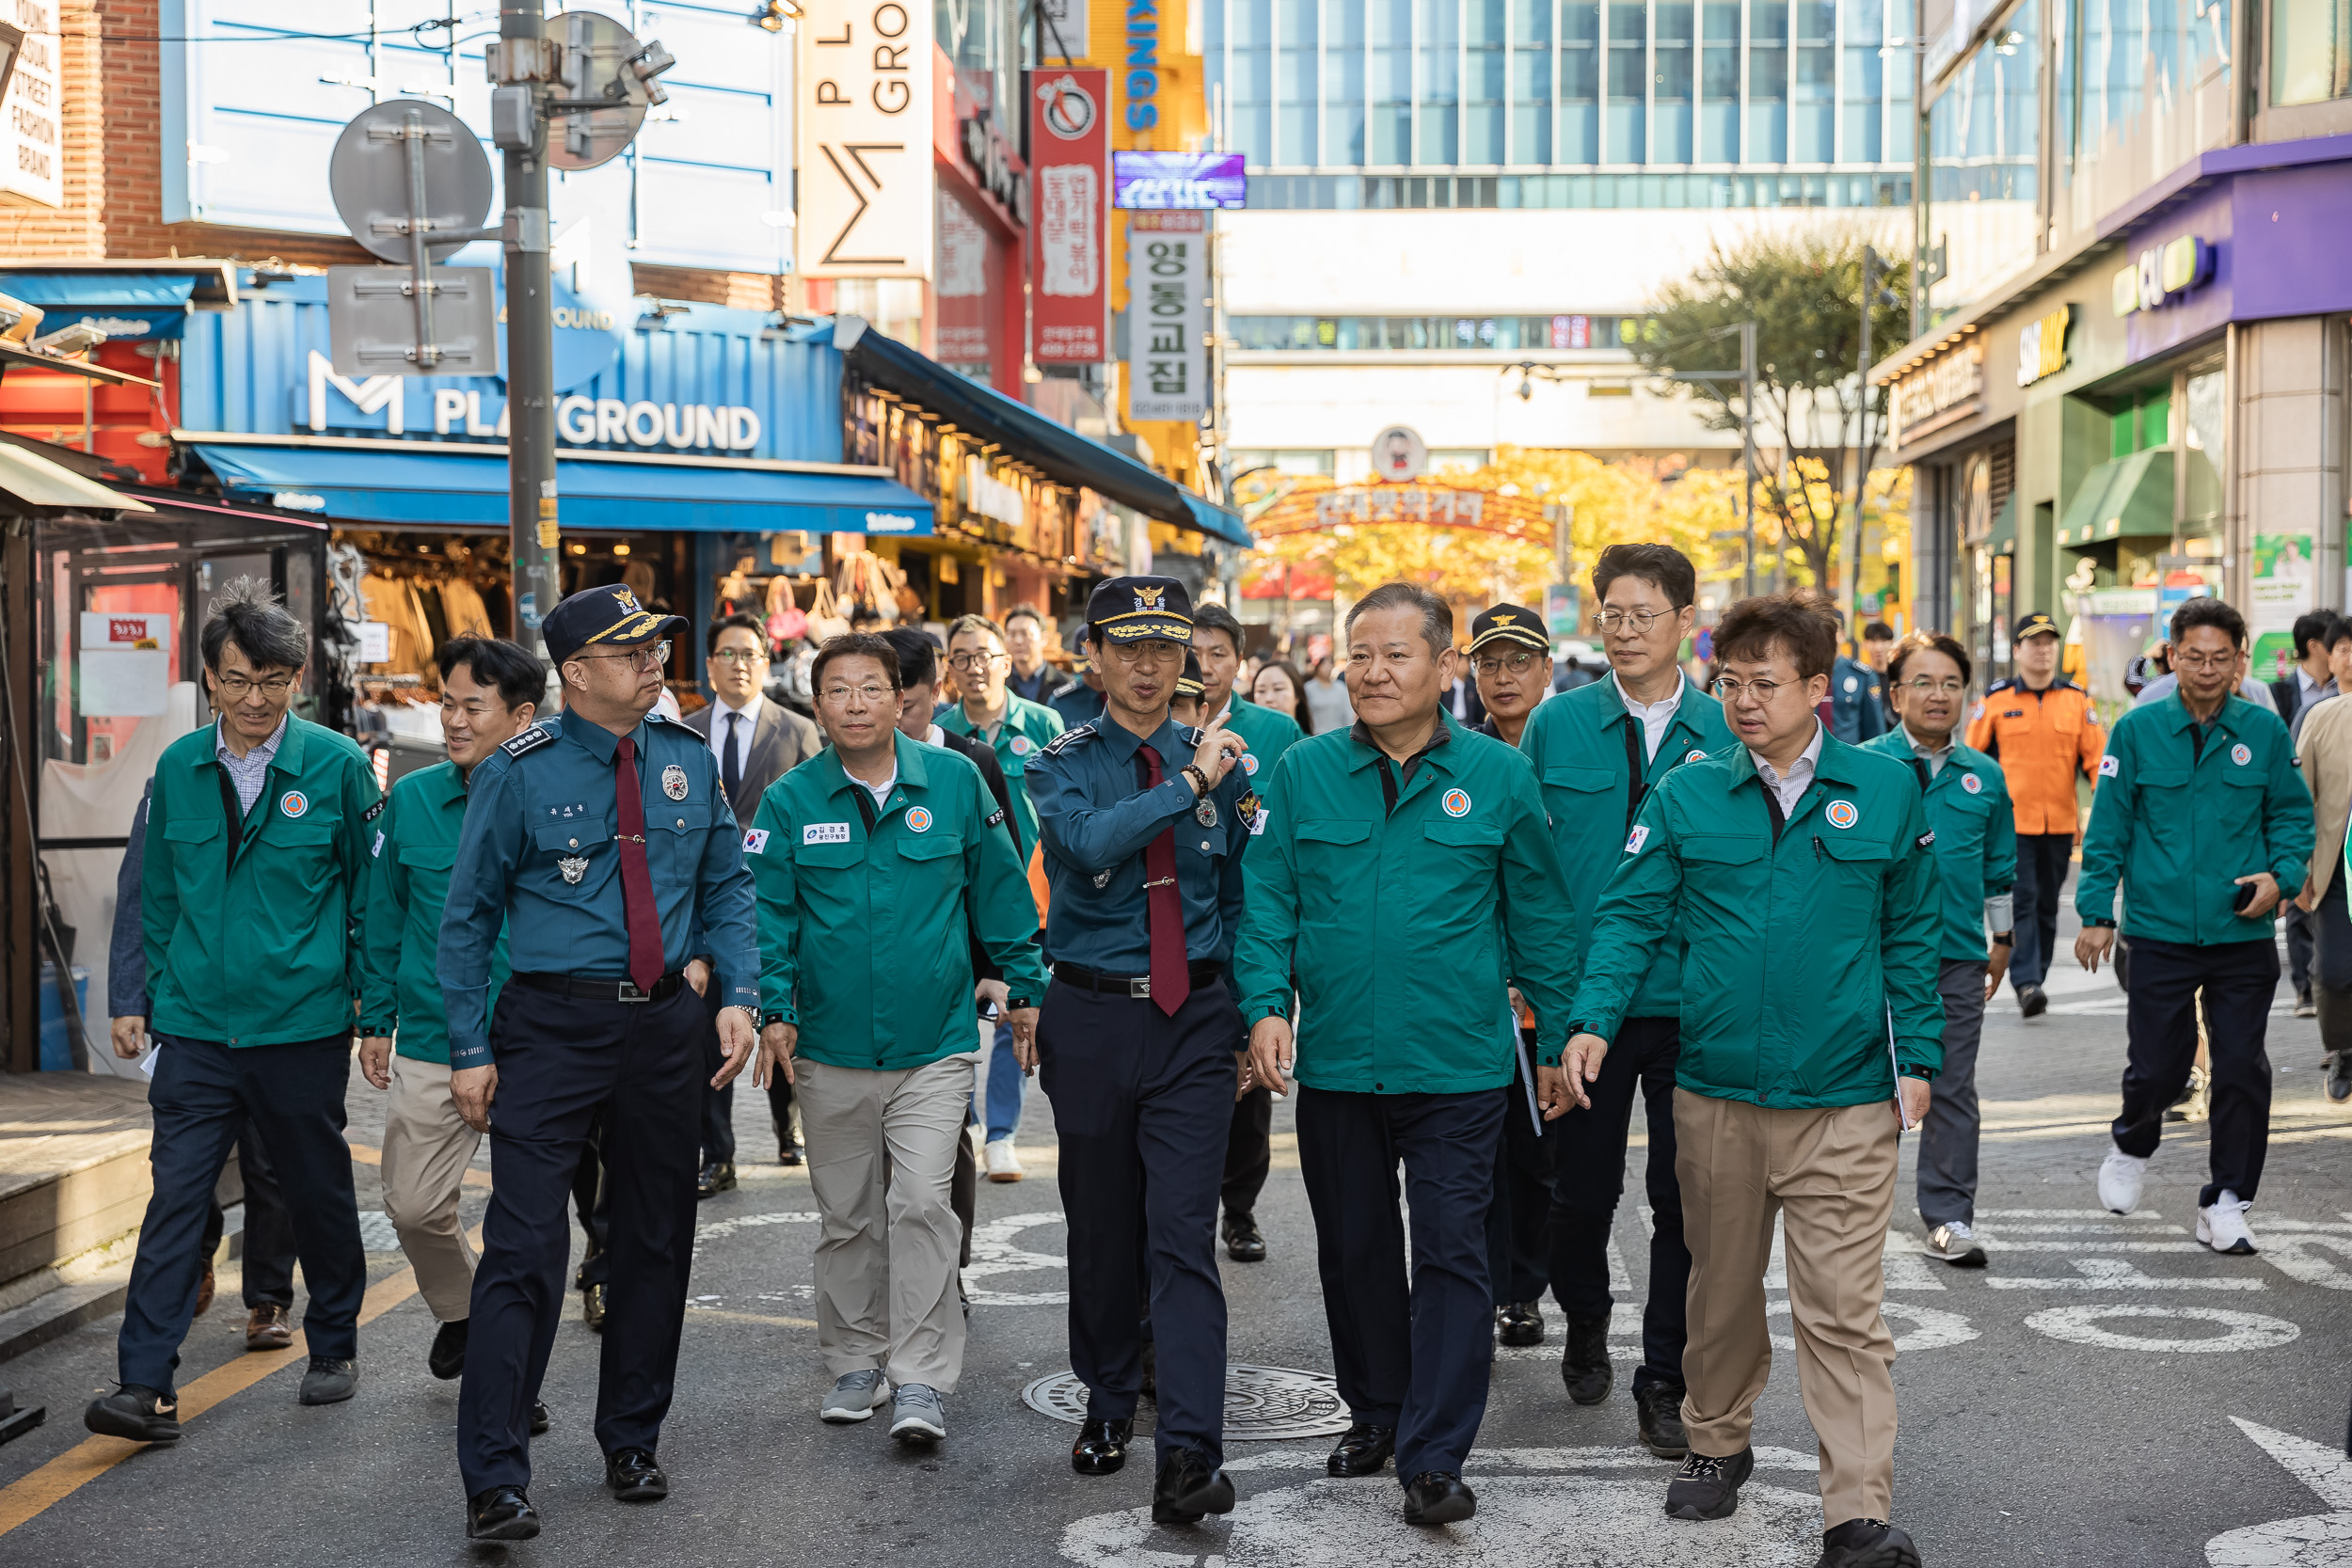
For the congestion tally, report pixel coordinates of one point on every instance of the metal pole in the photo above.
(419, 259)
(1852, 571)
(530, 348)
(1747, 445)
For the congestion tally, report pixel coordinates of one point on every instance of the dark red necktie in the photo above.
(644, 921)
(1171, 977)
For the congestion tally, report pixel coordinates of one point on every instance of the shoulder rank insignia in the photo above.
(376, 810)
(1068, 738)
(1193, 736)
(530, 739)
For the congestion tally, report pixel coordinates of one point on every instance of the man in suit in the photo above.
(756, 742)
(1027, 642)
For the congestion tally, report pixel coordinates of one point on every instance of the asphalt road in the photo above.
(2104, 1393)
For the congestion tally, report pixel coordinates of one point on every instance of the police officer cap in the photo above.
(1127, 610)
(1189, 684)
(607, 617)
(1509, 623)
(2034, 625)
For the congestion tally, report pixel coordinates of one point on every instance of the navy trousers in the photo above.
(2043, 860)
(1142, 1104)
(1518, 1224)
(1416, 1358)
(204, 1094)
(2239, 979)
(560, 1059)
(1591, 1168)
(269, 1248)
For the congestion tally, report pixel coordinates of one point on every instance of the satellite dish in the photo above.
(368, 177)
(608, 86)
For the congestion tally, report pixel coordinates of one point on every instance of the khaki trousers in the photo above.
(882, 1158)
(1830, 1175)
(427, 1147)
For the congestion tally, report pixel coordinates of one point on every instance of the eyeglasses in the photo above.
(1632, 620)
(652, 658)
(972, 664)
(1149, 650)
(236, 687)
(1942, 688)
(839, 695)
(2203, 662)
(1517, 664)
(1730, 690)
(739, 655)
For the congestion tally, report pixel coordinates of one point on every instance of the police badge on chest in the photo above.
(573, 866)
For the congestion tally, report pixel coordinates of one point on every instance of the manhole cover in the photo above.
(1261, 1402)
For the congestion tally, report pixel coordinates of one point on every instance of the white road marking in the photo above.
(995, 1252)
(1620, 1281)
(2302, 1257)
(2314, 1540)
(2113, 1274)
(719, 1231)
(1931, 1327)
(2245, 1331)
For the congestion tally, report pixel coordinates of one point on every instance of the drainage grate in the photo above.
(1261, 1402)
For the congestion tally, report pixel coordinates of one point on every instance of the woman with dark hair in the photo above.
(1281, 688)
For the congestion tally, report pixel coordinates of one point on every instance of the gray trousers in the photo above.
(1947, 1140)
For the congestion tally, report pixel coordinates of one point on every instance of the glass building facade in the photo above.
(1349, 104)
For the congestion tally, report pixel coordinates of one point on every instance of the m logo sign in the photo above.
(863, 127)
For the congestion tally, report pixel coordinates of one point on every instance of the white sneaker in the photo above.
(1956, 1244)
(2221, 1225)
(2120, 1175)
(1002, 1164)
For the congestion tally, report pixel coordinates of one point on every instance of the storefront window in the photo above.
(2206, 407)
(2140, 90)
(1984, 145)
(2310, 50)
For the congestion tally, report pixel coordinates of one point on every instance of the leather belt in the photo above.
(1137, 986)
(590, 988)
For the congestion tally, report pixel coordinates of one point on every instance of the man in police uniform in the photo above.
(1407, 823)
(606, 838)
(1144, 826)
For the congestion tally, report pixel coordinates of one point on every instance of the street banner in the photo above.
(863, 133)
(1168, 276)
(1068, 152)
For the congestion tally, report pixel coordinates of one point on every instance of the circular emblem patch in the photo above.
(2241, 753)
(1841, 814)
(1249, 763)
(1022, 745)
(919, 821)
(294, 802)
(1973, 785)
(1694, 755)
(1456, 803)
(674, 782)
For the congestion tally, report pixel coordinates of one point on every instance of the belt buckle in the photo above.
(1139, 989)
(628, 992)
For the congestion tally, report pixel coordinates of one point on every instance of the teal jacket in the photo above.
(1588, 749)
(2177, 825)
(411, 853)
(262, 947)
(1809, 966)
(1029, 729)
(1975, 836)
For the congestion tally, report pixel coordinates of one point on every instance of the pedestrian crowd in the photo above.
(1772, 908)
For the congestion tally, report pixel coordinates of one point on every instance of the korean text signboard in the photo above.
(1168, 276)
(1069, 144)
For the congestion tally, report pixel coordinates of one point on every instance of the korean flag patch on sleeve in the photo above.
(2110, 767)
(1639, 837)
(754, 841)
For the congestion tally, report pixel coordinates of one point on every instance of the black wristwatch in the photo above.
(1018, 1004)
(2004, 939)
(771, 1016)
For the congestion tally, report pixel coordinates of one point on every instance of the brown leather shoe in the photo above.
(205, 1291)
(270, 1329)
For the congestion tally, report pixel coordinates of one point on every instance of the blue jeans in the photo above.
(1008, 1086)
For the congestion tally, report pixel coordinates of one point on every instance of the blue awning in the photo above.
(125, 304)
(449, 486)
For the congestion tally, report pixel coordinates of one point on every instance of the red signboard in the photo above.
(1070, 213)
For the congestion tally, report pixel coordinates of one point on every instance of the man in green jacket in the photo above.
(489, 691)
(1801, 871)
(255, 876)
(1266, 735)
(1600, 751)
(2203, 818)
(1406, 829)
(1975, 856)
(876, 861)
(1018, 730)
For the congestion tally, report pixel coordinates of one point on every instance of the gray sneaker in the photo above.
(856, 1396)
(918, 1417)
(1956, 1244)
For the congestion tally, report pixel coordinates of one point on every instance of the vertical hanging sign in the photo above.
(1168, 276)
(1070, 211)
(864, 136)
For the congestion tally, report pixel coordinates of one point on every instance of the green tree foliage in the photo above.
(1803, 290)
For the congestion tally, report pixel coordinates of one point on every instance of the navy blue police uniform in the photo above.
(596, 1015)
(1138, 1055)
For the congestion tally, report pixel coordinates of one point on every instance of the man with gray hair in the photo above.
(255, 875)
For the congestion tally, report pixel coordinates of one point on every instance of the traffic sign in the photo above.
(368, 177)
(371, 321)
(607, 85)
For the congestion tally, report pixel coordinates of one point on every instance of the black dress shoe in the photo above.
(716, 1177)
(538, 1418)
(140, 1413)
(1151, 1370)
(1362, 1450)
(1584, 1364)
(1244, 1242)
(1187, 1487)
(1439, 1498)
(447, 1358)
(1868, 1544)
(1708, 1488)
(501, 1513)
(1659, 1409)
(2032, 1002)
(591, 1307)
(1520, 1323)
(329, 1379)
(1102, 1448)
(787, 1152)
(634, 1478)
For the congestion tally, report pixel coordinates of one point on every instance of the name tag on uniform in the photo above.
(825, 832)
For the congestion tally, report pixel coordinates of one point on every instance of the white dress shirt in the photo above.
(1934, 759)
(749, 727)
(1655, 716)
(1791, 789)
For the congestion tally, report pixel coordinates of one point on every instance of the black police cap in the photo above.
(1190, 684)
(1508, 623)
(1127, 610)
(2033, 625)
(605, 617)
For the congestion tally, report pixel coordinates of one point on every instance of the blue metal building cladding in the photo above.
(262, 370)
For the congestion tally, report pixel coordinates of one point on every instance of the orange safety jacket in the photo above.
(2041, 739)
